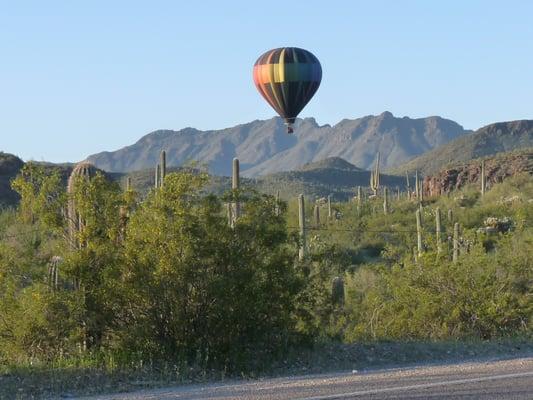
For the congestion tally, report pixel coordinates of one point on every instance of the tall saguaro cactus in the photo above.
(163, 167)
(376, 171)
(330, 214)
(235, 177)
(359, 199)
(438, 229)
(83, 170)
(419, 232)
(235, 184)
(483, 181)
(455, 255)
(417, 190)
(408, 186)
(53, 272)
(301, 223)
(316, 212)
(157, 176)
(385, 200)
(374, 177)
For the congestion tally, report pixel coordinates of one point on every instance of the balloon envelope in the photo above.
(287, 78)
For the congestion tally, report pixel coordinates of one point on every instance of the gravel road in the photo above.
(504, 379)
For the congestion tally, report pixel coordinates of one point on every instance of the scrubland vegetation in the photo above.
(162, 289)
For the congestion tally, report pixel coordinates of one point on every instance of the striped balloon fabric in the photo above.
(287, 78)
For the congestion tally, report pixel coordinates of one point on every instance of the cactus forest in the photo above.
(96, 276)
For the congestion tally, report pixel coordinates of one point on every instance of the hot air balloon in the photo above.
(287, 78)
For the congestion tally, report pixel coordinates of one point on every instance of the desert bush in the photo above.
(483, 295)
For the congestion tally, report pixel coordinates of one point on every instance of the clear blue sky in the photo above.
(81, 77)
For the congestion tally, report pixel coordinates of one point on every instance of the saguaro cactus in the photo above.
(407, 181)
(376, 171)
(450, 215)
(317, 215)
(277, 210)
(229, 214)
(157, 176)
(438, 229)
(128, 183)
(163, 166)
(455, 255)
(419, 232)
(235, 183)
(385, 200)
(83, 170)
(417, 190)
(53, 272)
(235, 178)
(301, 222)
(359, 199)
(421, 188)
(483, 182)
(329, 208)
(374, 177)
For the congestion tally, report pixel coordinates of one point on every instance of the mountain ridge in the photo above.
(263, 146)
(499, 137)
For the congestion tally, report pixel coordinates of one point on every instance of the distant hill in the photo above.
(486, 141)
(335, 163)
(264, 147)
(10, 166)
(330, 176)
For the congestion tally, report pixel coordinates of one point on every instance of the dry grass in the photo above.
(83, 377)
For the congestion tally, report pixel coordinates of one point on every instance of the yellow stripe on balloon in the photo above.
(281, 72)
(275, 92)
(281, 67)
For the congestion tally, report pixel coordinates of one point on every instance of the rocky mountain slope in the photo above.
(264, 147)
(497, 168)
(486, 141)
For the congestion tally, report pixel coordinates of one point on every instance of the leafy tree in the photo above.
(197, 288)
(94, 267)
(43, 197)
